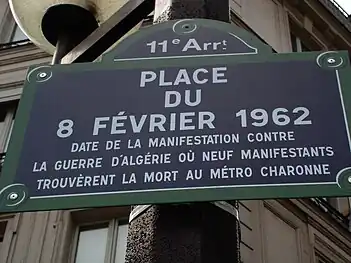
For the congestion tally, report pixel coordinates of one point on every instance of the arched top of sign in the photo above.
(187, 38)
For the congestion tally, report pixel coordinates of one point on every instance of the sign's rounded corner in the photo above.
(13, 195)
(331, 60)
(343, 178)
(39, 74)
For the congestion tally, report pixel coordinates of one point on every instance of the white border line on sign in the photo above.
(184, 188)
(253, 48)
(343, 108)
(186, 56)
(221, 186)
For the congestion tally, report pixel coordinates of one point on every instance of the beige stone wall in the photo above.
(268, 19)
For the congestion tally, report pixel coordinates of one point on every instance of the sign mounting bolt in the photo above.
(331, 60)
(42, 75)
(349, 179)
(13, 196)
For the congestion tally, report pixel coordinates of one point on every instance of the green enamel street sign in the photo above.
(185, 111)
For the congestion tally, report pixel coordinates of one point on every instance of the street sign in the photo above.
(185, 111)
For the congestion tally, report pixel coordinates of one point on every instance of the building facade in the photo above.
(311, 230)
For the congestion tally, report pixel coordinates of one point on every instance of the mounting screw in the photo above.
(13, 196)
(42, 75)
(331, 60)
